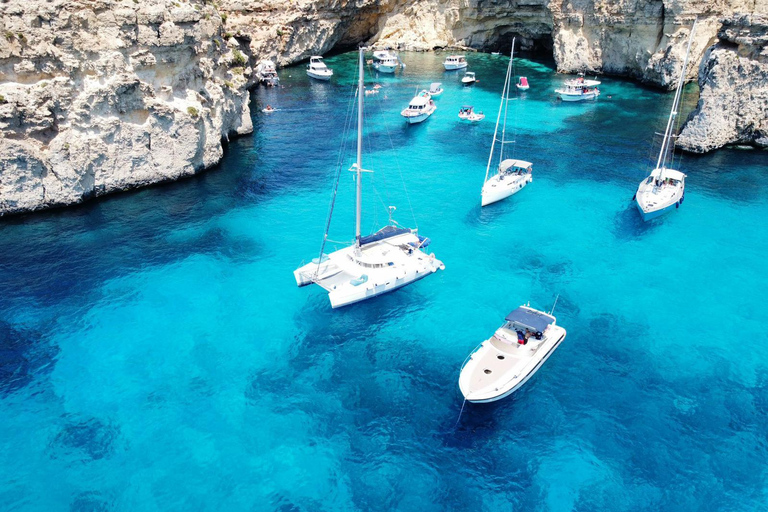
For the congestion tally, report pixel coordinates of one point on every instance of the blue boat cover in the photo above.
(385, 232)
(533, 320)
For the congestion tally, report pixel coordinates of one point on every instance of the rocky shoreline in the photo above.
(107, 95)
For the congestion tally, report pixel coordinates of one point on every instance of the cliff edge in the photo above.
(733, 79)
(105, 95)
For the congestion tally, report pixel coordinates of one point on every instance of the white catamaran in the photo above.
(664, 188)
(375, 264)
(511, 175)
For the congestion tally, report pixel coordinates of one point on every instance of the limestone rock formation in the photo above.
(104, 95)
(733, 79)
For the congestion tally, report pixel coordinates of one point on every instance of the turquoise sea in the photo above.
(155, 353)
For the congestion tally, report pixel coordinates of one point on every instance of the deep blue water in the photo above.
(155, 353)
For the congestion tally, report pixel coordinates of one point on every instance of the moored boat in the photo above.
(454, 62)
(266, 73)
(664, 189)
(523, 84)
(467, 113)
(317, 69)
(386, 61)
(419, 109)
(579, 89)
(505, 361)
(435, 89)
(469, 78)
(379, 263)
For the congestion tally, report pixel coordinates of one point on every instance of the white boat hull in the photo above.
(496, 189)
(454, 67)
(343, 279)
(384, 68)
(566, 96)
(319, 76)
(523, 87)
(653, 201)
(511, 382)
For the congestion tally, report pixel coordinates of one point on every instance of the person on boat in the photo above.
(269, 108)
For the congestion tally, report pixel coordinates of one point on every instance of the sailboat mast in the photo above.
(498, 117)
(508, 83)
(675, 104)
(359, 194)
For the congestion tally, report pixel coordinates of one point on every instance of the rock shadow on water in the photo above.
(85, 440)
(25, 355)
(629, 225)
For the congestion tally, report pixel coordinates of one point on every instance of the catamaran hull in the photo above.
(516, 384)
(345, 298)
(502, 189)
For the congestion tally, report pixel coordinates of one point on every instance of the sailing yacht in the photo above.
(375, 264)
(511, 175)
(664, 188)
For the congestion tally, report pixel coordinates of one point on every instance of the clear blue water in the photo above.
(155, 353)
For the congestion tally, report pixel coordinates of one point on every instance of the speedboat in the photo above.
(664, 189)
(317, 69)
(468, 78)
(523, 84)
(266, 73)
(435, 89)
(500, 365)
(511, 177)
(419, 109)
(453, 62)
(386, 61)
(579, 89)
(467, 113)
(379, 263)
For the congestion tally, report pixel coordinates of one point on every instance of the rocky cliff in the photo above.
(104, 95)
(733, 80)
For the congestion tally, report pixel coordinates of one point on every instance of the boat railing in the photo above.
(470, 355)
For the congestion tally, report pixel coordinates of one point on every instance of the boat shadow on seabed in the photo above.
(628, 224)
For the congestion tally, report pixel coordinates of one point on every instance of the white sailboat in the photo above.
(511, 174)
(664, 188)
(375, 264)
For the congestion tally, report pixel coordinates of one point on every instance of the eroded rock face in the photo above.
(733, 79)
(99, 96)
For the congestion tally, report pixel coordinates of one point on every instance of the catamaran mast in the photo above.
(498, 117)
(665, 145)
(359, 196)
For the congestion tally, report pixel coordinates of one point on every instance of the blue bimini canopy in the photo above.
(385, 232)
(533, 320)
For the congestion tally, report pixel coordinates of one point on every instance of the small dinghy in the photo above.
(467, 113)
(523, 84)
(268, 109)
(469, 78)
(505, 361)
(435, 89)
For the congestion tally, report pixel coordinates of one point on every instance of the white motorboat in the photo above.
(664, 189)
(386, 61)
(384, 261)
(579, 89)
(510, 175)
(419, 109)
(467, 113)
(435, 89)
(523, 84)
(505, 361)
(317, 69)
(454, 62)
(468, 78)
(266, 73)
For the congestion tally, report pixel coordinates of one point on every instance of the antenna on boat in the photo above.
(555, 304)
(391, 211)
